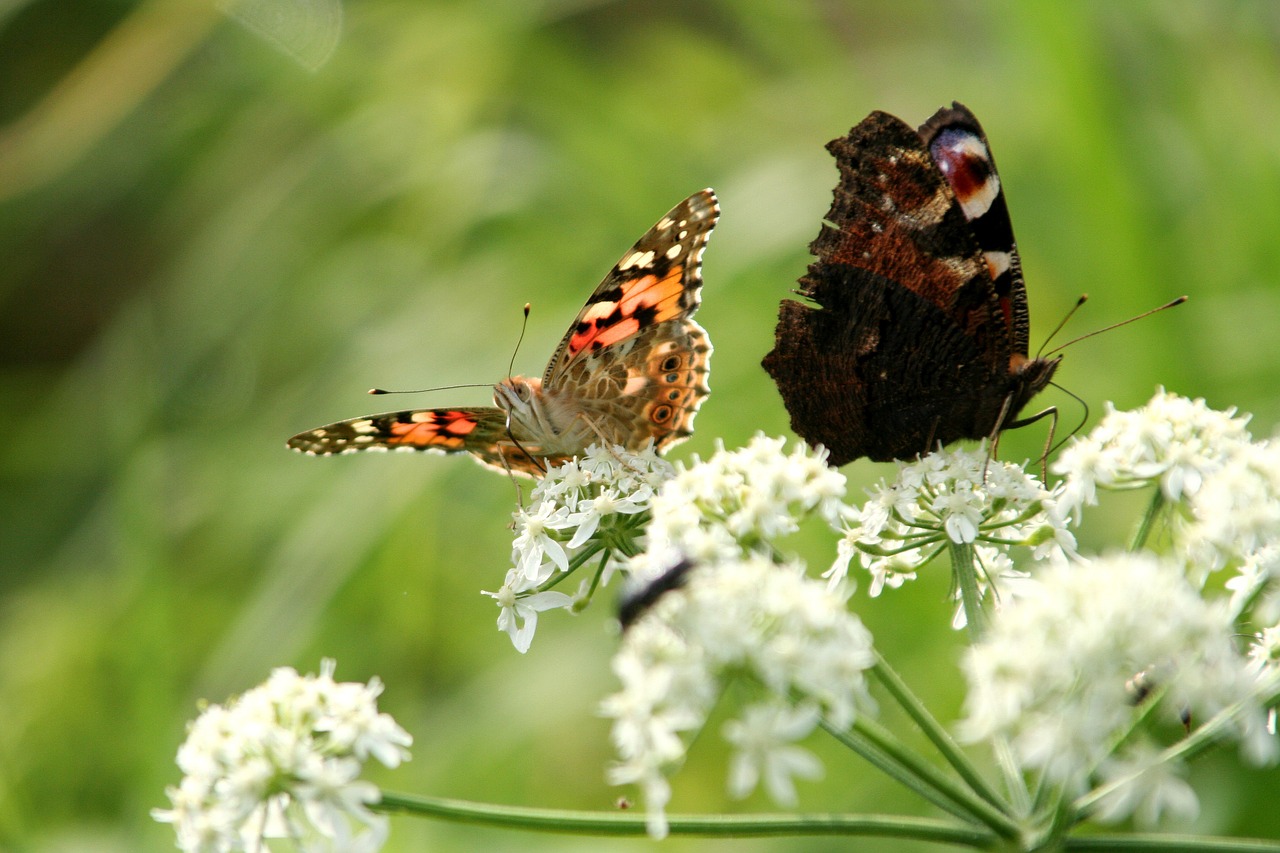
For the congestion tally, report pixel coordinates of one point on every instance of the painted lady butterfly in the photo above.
(632, 368)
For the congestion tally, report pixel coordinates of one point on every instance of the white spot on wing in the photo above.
(997, 263)
(980, 201)
(636, 259)
(635, 383)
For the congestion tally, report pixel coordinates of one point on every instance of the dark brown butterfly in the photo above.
(920, 334)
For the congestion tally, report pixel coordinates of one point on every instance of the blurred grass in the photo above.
(216, 248)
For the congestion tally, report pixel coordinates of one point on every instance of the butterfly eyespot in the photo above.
(670, 363)
(673, 396)
(661, 414)
(672, 378)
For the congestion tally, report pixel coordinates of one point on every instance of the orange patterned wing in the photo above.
(659, 280)
(634, 361)
(481, 431)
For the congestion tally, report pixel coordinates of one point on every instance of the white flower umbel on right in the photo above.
(1172, 441)
(952, 496)
(1054, 674)
(283, 761)
(785, 640)
(1234, 517)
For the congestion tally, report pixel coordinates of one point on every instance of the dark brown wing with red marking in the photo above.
(957, 144)
(920, 334)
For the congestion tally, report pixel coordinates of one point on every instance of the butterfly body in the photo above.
(920, 334)
(632, 369)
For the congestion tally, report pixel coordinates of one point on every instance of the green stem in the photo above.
(1216, 729)
(879, 746)
(763, 825)
(966, 575)
(1015, 782)
(1168, 843)
(938, 735)
(1148, 521)
(867, 750)
(724, 826)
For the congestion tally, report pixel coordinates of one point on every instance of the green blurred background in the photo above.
(206, 247)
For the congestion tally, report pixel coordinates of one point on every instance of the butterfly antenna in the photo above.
(1178, 301)
(376, 391)
(523, 326)
(1084, 297)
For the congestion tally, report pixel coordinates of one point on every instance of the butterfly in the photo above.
(631, 369)
(920, 334)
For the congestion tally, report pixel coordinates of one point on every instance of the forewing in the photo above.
(657, 281)
(958, 146)
(921, 310)
(895, 215)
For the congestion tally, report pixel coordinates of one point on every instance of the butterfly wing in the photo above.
(481, 431)
(632, 367)
(921, 332)
(634, 363)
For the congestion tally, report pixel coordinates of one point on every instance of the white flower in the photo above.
(519, 612)
(739, 501)
(1235, 514)
(1256, 586)
(1172, 441)
(764, 737)
(535, 541)
(951, 496)
(1051, 673)
(284, 760)
(595, 504)
(749, 619)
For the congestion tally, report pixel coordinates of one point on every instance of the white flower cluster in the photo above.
(1220, 489)
(284, 761)
(595, 504)
(788, 640)
(1235, 514)
(737, 502)
(952, 496)
(1054, 675)
(1171, 441)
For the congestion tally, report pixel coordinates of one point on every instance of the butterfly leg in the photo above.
(605, 442)
(1052, 414)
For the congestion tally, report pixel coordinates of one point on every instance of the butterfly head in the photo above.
(518, 397)
(1028, 377)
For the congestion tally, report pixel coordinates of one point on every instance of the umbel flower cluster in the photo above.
(283, 761)
(1093, 679)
